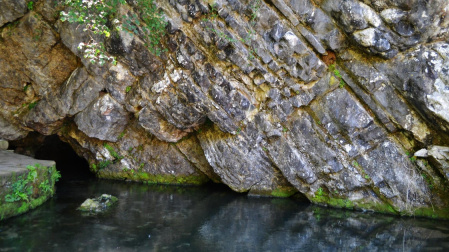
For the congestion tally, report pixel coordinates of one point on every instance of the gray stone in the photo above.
(104, 119)
(99, 204)
(421, 153)
(12, 10)
(3, 144)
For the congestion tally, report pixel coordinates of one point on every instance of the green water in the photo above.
(168, 218)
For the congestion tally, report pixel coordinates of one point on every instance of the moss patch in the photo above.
(283, 192)
(154, 179)
(27, 191)
(321, 197)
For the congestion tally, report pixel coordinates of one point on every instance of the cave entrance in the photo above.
(71, 166)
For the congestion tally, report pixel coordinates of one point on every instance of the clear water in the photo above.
(168, 218)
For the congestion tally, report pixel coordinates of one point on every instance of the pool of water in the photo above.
(169, 218)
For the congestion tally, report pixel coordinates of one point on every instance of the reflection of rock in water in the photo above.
(246, 225)
(166, 218)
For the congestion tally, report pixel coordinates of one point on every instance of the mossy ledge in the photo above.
(26, 190)
(323, 199)
(153, 179)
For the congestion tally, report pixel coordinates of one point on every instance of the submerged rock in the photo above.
(99, 204)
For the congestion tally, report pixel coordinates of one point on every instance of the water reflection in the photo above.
(165, 218)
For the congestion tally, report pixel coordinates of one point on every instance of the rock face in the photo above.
(327, 98)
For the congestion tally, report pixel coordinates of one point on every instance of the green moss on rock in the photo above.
(154, 179)
(31, 190)
(283, 192)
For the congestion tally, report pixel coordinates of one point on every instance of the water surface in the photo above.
(169, 218)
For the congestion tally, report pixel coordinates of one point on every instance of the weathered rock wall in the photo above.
(329, 98)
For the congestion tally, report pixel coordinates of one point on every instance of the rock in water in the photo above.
(99, 204)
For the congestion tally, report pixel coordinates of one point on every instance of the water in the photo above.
(168, 218)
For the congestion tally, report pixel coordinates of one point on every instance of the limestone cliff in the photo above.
(330, 98)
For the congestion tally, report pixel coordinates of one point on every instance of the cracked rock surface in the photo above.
(328, 98)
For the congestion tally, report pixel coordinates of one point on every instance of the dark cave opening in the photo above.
(71, 166)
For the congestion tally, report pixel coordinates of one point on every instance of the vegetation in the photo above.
(337, 74)
(95, 17)
(112, 152)
(30, 5)
(29, 190)
(212, 17)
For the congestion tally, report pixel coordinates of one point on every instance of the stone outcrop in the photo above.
(323, 97)
(25, 183)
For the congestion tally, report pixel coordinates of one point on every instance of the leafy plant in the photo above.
(95, 15)
(128, 88)
(32, 173)
(122, 134)
(30, 5)
(45, 186)
(20, 190)
(23, 187)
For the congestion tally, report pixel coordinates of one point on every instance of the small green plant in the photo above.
(45, 186)
(20, 190)
(94, 167)
(32, 105)
(238, 130)
(113, 152)
(122, 134)
(254, 11)
(32, 173)
(367, 176)
(337, 74)
(56, 176)
(103, 164)
(284, 129)
(320, 191)
(128, 88)
(25, 88)
(355, 163)
(30, 5)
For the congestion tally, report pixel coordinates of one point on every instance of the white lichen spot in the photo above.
(348, 147)
(439, 100)
(161, 85)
